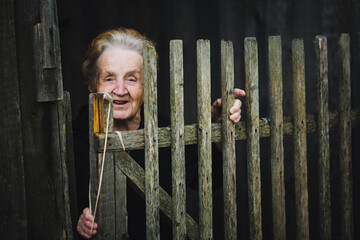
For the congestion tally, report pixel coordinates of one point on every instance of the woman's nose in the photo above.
(120, 88)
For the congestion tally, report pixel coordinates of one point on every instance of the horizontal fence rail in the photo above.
(120, 167)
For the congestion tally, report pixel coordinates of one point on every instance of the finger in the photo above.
(81, 230)
(217, 103)
(236, 107)
(239, 92)
(235, 117)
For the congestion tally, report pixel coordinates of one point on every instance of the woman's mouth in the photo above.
(120, 102)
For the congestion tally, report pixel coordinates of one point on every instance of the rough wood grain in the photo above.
(93, 160)
(253, 137)
(67, 166)
(346, 195)
(177, 140)
(106, 213)
(47, 58)
(135, 139)
(136, 175)
(276, 136)
(204, 139)
(323, 137)
(12, 177)
(228, 140)
(151, 143)
(121, 215)
(300, 156)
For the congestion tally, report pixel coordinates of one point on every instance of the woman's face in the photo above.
(121, 73)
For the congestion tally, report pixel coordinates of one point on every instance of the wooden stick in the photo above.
(253, 139)
(276, 136)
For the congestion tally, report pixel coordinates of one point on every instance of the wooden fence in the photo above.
(119, 165)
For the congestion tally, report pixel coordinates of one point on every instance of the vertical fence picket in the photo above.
(300, 160)
(106, 206)
(323, 137)
(177, 140)
(121, 214)
(99, 105)
(204, 139)
(276, 136)
(228, 140)
(151, 143)
(253, 142)
(346, 216)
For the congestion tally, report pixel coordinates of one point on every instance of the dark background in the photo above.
(80, 21)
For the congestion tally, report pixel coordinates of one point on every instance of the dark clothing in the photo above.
(135, 204)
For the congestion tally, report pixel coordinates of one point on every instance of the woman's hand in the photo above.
(84, 224)
(235, 110)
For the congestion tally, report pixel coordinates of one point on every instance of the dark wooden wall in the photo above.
(32, 171)
(163, 20)
(35, 148)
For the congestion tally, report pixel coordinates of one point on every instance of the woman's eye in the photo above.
(132, 80)
(108, 79)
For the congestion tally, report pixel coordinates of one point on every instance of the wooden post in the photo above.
(346, 195)
(204, 139)
(276, 136)
(151, 144)
(121, 214)
(177, 140)
(228, 140)
(13, 196)
(323, 137)
(100, 104)
(253, 142)
(300, 160)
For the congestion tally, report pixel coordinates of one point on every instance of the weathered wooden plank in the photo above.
(151, 144)
(135, 139)
(346, 195)
(102, 173)
(12, 177)
(40, 136)
(276, 136)
(136, 175)
(47, 58)
(121, 215)
(300, 160)
(323, 137)
(204, 139)
(107, 207)
(94, 177)
(102, 102)
(228, 140)
(66, 188)
(177, 140)
(253, 139)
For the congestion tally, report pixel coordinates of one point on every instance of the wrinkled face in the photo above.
(121, 73)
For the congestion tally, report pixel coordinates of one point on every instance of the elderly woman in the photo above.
(114, 64)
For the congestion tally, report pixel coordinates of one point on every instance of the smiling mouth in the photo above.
(118, 102)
